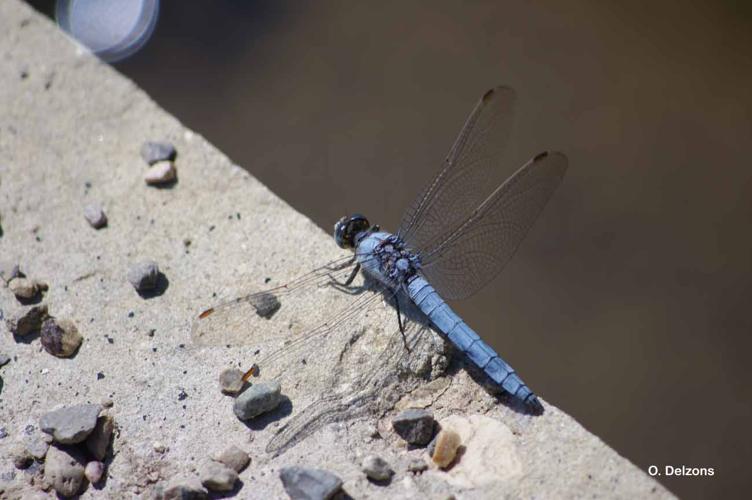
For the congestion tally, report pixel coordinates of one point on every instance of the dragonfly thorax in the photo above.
(396, 262)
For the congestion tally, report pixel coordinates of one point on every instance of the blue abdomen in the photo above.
(466, 340)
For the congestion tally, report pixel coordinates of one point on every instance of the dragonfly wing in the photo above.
(470, 173)
(463, 261)
(375, 369)
(249, 319)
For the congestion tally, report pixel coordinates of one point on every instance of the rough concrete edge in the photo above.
(105, 67)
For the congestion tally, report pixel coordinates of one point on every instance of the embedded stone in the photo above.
(308, 484)
(60, 337)
(258, 399)
(70, 424)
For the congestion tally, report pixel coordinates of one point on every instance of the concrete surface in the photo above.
(70, 133)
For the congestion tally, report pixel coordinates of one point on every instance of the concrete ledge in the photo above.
(70, 133)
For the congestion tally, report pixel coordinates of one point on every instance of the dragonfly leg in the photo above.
(401, 325)
(345, 286)
(343, 265)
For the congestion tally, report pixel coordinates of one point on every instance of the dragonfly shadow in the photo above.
(492, 389)
(260, 423)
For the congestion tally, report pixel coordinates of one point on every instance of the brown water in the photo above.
(629, 304)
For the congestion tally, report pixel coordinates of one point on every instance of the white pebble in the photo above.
(161, 172)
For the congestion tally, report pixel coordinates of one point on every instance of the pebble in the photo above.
(415, 426)
(185, 489)
(30, 321)
(231, 381)
(144, 275)
(98, 442)
(70, 424)
(417, 466)
(4, 359)
(445, 449)
(8, 271)
(376, 468)
(94, 471)
(162, 172)
(266, 304)
(154, 151)
(95, 216)
(60, 337)
(25, 288)
(218, 477)
(159, 447)
(307, 484)
(3, 433)
(64, 470)
(234, 458)
(37, 447)
(257, 399)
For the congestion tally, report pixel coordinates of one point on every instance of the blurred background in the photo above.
(628, 305)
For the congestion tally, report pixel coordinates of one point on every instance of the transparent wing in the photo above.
(333, 351)
(251, 318)
(367, 394)
(462, 261)
(471, 172)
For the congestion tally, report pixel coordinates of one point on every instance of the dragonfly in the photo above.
(458, 235)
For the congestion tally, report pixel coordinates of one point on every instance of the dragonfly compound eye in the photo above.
(347, 228)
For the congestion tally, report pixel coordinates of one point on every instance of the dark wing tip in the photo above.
(560, 159)
(493, 92)
(206, 313)
(540, 156)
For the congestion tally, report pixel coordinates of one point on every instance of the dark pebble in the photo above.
(415, 426)
(60, 337)
(257, 399)
(266, 304)
(308, 484)
(30, 321)
(153, 151)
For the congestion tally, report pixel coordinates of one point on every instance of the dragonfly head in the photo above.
(348, 227)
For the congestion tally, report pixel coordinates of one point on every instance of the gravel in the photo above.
(155, 151)
(163, 172)
(28, 322)
(94, 471)
(144, 275)
(266, 304)
(257, 399)
(417, 465)
(309, 484)
(377, 469)
(231, 381)
(218, 477)
(25, 288)
(445, 449)
(234, 458)
(185, 489)
(95, 216)
(98, 442)
(70, 424)
(60, 337)
(64, 470)
(415, 426)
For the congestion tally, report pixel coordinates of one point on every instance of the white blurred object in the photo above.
(112, 29)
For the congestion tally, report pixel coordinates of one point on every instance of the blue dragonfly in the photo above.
(458, 235)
